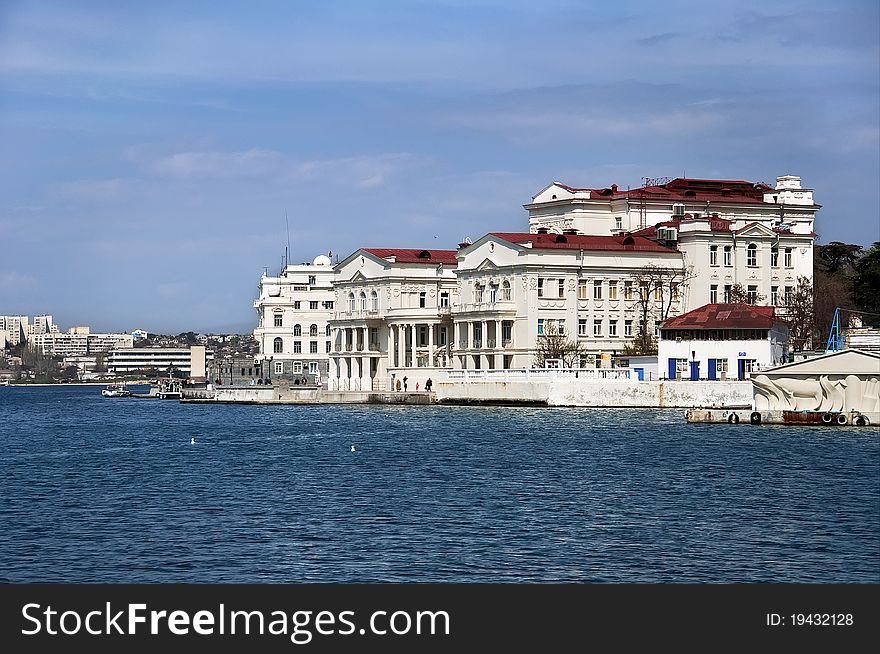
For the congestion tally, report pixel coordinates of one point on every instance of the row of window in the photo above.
(553, 326)
(715, 334)
(495, 292)
(628, 289)
(359, 302)
(297, 329)
(297, 306)
(752, 294)
(751, 256)
(278, 346)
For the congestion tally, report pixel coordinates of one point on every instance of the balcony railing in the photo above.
(540, 374)
(497, 306)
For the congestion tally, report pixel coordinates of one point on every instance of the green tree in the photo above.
(866, 284)
(837, 257)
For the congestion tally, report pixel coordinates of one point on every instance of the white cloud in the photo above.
(11, 280)
(250, 163)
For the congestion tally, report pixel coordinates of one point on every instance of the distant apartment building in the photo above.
(42, 325)
(294, 311)
(16, 328)
(139, 334)
(78, 341)
(191, 361)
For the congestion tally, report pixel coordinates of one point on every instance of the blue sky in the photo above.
(149, 151)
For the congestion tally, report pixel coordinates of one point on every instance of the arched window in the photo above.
(351, 302)
(278, 346)
(297, 330)
(313, 330)
(363, 301)
(752, 255)
(505, 291)
(374, 301)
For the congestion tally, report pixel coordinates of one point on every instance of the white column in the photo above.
(401, 342)
(365, 344)
(431, 328)
(343, 377)
(497, 334)
(412, 345)
(390, 349)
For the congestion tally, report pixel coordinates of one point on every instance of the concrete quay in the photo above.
(282, 394)
(854, 419)
(554, 392)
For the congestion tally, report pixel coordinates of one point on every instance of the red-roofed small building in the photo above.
(722, 341)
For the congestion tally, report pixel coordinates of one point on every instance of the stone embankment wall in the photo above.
(600, 393)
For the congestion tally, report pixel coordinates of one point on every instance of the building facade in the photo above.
(78, 341)
(295, 309)
(191, 361)
(730, 232)
(393, 318)
(517, 288)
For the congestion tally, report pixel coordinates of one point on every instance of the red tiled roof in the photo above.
(724, 316)
(686, 190)
(623, 243)
(406, 255)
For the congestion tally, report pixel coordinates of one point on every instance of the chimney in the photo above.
(614, 188)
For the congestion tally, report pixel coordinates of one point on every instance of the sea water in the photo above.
(127, 490)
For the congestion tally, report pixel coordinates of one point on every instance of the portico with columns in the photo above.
(393, 318)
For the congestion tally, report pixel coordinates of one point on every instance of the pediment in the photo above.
(357, 277)
(487, 264)
(756, 229)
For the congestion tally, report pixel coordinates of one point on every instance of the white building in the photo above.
(139, 334)
(16, 328)
(192, 361)
(721, 341)
(729, 231)
(294, 312)
(393, 317)
(78, 341)
(516, 287)
(42, 325)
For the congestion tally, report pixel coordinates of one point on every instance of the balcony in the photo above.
(500, 306)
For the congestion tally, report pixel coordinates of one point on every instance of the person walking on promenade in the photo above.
(428, 385)
(404, 384)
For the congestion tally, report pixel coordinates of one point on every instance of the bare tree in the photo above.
(659, 291)
(739, 295)
(800, 315)
(553, 345)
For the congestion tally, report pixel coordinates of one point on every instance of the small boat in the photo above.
(116, 390)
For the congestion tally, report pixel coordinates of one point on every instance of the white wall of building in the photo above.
(294, 310)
